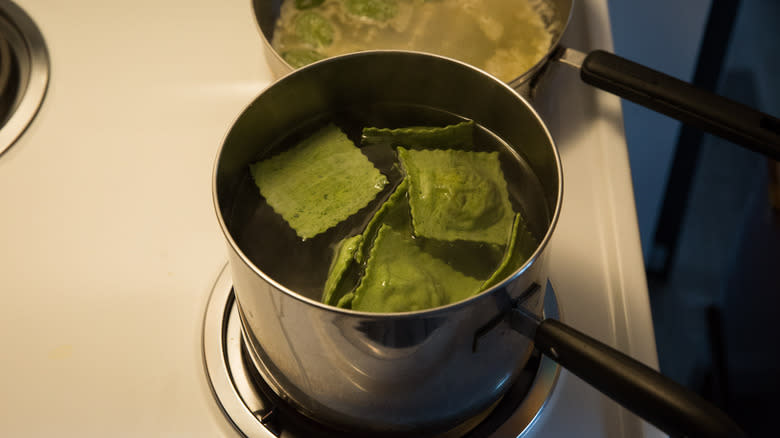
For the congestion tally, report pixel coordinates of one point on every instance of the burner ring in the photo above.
(254, 415)
(27, 66)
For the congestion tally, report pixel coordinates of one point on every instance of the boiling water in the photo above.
(505, 38)
(302, 265)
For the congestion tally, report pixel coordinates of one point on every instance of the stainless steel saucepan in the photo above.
(432, 372)
(708, 111)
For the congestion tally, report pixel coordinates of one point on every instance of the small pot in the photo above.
(431, 370)
(437, 371)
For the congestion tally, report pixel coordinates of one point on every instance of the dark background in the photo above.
(710, 234)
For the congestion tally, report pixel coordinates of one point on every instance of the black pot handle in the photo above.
(708, 111)
(642, 390)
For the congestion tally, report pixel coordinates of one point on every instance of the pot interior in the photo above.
(381, 89)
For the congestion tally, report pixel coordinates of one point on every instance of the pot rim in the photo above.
(394, 315)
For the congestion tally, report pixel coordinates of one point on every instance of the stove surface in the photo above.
(111, 244)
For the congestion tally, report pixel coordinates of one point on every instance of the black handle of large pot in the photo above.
(654, 397)
(708, 111)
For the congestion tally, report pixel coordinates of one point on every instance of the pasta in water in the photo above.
(313, 185)
(443, 231)
(504, 38)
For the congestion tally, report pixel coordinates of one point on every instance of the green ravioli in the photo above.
(346, 301)
(300, 57)
(394, 212)
(400, 277)
(458, 136)
(318, 183)
(353, 251)
(343, 259)
(522, 245)
(307, 4)
(380, 10)
(314, 29)
(457, 195)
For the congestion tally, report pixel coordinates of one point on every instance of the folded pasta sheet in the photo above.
(401, 277)
(379, 10)
(522, 245)
(343, 258)
(458, 136)
(394, 212)
(352, 252)
(457, 195)
(319, 182)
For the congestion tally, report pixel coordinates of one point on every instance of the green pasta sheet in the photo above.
(401, 277)
(345, 302)
(343, 259)
(394, 212)
(319, 182)
(379, 10)
(314, 29)
(458, 136)
(350, 254)
(457, 195)
(475, 260)
(300, 57)
(307, 4)
(522, 245)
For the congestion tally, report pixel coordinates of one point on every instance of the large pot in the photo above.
(431, 372)
(708, 111)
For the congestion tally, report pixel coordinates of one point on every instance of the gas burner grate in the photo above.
(256, 412)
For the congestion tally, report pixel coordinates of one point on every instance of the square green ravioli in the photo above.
(319, 182)
(401, 277)
(457, 195)
(458, 136)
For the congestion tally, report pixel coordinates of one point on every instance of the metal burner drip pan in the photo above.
(24, 72)
(256, 413)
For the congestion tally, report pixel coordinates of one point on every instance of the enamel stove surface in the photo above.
(111, 245)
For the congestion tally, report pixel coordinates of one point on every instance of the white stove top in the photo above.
(111, 245)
